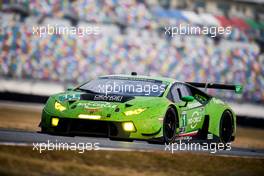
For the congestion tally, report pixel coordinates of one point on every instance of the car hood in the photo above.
(81, 102)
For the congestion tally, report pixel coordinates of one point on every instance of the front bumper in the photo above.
(70, 126)
(103, 128)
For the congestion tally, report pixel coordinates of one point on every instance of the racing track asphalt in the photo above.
(13, 137)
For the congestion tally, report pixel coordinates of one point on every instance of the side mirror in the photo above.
(187, 98)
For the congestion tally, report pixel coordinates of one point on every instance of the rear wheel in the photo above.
(226, 127)
(170, 124)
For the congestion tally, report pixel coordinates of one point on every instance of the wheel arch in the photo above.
(215, 109)
(215, 122)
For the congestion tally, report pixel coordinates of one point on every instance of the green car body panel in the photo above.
(148, 124)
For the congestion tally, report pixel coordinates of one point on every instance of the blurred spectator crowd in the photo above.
(131, 39)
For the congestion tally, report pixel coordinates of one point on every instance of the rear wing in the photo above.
(237, 88)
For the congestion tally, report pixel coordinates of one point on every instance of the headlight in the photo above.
(54, 121)
(85, 116)
(129, 126)
(59, 106)
(135, 111)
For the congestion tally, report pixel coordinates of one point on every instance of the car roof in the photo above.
(163, 79)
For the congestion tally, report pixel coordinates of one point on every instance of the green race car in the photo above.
(133, 107)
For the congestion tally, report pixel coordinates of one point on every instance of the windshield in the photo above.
(125, 86)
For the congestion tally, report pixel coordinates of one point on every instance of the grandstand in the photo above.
(131, 39)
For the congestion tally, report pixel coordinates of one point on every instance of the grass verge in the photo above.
(19, 161)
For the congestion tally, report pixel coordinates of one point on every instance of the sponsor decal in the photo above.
(89, 105)
(187, 138)
(69, 97)
(210, 136)
(195, 119)
(183, 122)
(184, 118)
(200, 98)
(92, 110)
(192, 133)
(108, 98)
(194, 105)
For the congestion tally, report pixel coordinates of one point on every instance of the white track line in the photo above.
(21, 144)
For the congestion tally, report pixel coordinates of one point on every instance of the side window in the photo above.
(199, 95)
(179, 90)
(184, 90)
(175, 94)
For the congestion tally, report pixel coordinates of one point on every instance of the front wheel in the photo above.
(170, 124)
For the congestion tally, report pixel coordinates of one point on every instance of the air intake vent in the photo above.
(128, 105)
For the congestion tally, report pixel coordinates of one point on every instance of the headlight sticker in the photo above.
(58, 106)
(135, 111)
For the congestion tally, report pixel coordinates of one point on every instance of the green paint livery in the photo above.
(182, 110)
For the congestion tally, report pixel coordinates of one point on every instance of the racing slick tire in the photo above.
(226, 127)
(170, 124)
